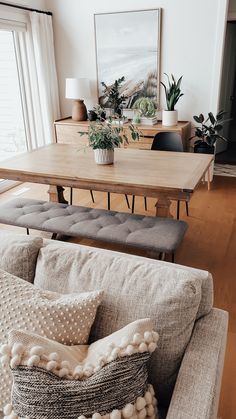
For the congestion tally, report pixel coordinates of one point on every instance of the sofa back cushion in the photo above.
(171, 295)
(18, 254)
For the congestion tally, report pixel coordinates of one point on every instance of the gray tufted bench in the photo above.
(155, 234)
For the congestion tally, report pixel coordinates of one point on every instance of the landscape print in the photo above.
(127, 44)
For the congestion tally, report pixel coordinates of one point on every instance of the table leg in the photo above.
(56, 194)
(163, 207)
(208, 179)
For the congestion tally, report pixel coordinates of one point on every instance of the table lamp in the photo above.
(77, 89)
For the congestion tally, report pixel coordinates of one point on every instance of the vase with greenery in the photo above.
(104, 137)
(207, 134)
(172, 94)
(114, 98)
(146, 109)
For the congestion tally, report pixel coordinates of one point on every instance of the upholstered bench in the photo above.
(154, 234)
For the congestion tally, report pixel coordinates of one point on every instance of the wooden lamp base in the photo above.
(79, 111)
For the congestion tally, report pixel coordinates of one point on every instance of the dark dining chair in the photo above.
(166, 141)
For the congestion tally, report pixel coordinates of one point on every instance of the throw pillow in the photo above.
(109, 377)
(18, 254)
(64, 318)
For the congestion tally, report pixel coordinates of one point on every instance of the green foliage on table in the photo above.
(115, 98)
(145, 106)
(172, 91)
(209, 132)
(104, 135)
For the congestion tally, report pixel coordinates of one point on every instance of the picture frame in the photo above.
(124, 50)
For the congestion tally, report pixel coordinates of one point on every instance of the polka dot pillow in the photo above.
(63, 318)
(107, 379)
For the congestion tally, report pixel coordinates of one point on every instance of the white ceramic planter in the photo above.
(169, 118)
(104, 156)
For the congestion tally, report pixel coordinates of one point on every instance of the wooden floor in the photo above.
(210, 244)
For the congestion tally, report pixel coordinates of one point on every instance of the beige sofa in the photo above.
(186, 368)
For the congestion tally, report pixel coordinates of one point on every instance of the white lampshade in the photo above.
(77, 88)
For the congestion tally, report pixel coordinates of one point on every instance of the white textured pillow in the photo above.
(54, 380)
(63, 318)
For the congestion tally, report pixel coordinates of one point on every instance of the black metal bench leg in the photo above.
(178, 205)
(173, 258)
(162, 256)
(27, 232)
(133, 203)
(71, 196)
(187, 209)
(54, 236)
(145, 203)
(108, 201)
(91, 193)
(127, 201)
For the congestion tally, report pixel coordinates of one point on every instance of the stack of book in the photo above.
(148, 121)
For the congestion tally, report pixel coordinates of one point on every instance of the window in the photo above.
(12, 125)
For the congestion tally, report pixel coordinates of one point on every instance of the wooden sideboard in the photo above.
(67, 132)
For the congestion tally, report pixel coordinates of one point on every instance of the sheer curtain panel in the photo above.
(37, 69)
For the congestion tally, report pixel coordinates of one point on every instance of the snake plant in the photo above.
(172, 91)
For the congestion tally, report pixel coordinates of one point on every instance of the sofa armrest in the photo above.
(197, 388)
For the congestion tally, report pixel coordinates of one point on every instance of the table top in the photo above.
(66, 165)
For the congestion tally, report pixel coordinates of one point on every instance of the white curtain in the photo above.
(38, 76)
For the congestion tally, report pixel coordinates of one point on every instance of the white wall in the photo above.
(192, 33)
(35, 4)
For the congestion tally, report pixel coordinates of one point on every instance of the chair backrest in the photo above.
(167, 141)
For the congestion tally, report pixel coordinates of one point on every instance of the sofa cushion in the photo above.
(65, 318)
(172, 296)
(115, 367)
(18, 254)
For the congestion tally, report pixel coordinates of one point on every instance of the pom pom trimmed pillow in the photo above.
(64, 318)
(107, 379)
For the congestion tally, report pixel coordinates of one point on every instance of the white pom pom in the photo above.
(143, 347)
(53, 356)
(96, 416)
(155, 336)
(115, 353)
(142, 414)
(130, 350)
(115, 414)
(65, 364)
(51, 365)
(148, 397)
(150, 410)
(7, 409)
(107, 416)
(63, 372)
(82, 417)
(140, 403)
(152, 346)
(137, 339)
(124, 342)
(128, 410)
(5, 349)
(36, 350)
(33, 360)
(148, 337)
(17, 349)
(5, 360)
(151, 389)
(78, 372)
(15, 361)
(88, 371)
(101, 361)
(96, 369)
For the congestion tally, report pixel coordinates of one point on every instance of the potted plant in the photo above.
(97, 113)
(105, 137)
(209, 132)
(114, 98)
(173, 94)
(146, 109)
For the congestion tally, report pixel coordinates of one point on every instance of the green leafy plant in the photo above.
(145, 106)
(100, 112)
(115, 99)
(208, 132)
(172, 91)
(104, 135)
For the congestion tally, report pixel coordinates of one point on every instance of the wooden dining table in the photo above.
(159, 174)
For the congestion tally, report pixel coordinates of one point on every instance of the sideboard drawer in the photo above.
(69, 134)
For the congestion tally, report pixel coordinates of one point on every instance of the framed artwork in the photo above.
(128, 44)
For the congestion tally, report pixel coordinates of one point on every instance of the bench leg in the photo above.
(71, 196)
(27, 232)
(173, 258)
(108, 201)
(162, 256)
(133, 203)
(54, 236)
(145, 203)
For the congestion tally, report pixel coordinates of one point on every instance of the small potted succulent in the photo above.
(209, 132)
(105, 137)
(146, 110)
(172, 94)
